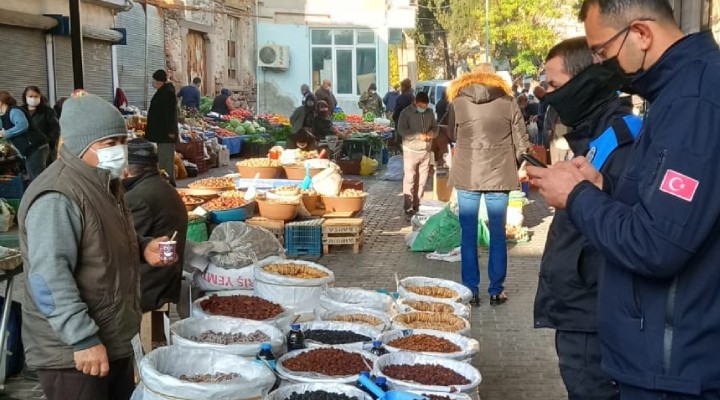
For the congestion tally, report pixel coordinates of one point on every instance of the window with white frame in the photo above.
(347, 57)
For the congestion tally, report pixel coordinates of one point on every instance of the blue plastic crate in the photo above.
(304, 238)
(11, 187)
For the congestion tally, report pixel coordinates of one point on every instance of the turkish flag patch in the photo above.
(679, 185)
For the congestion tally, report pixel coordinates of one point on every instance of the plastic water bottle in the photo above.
(295, 339)
(361, 386)
(378, 349)
(266, 356)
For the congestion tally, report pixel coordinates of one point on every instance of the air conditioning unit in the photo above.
(274, 57)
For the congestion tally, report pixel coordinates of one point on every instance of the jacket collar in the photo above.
(652, 82)
(580, 137)
(131, 183)
(100, 178)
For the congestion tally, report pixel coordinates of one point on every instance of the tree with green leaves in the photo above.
(521, 31)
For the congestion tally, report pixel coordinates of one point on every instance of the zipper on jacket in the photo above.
(669, 325)
(660, 162)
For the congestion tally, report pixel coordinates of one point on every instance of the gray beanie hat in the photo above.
(87, 118)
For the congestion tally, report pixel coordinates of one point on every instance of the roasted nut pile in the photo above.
(287, 190)
(357, 319)
(295, 271)
(438, 322)
(230, 338)
(424, 342)
(224, 203)
(309, 192)
(250, 307)
(433, 291)
(213, 183)
(335, 337)
(207, 378)
(433, 375)
(233, 193)
(187, 199)
(352, 193)
(428, 306)
(259, 163)
(319, 395)
(331, 362)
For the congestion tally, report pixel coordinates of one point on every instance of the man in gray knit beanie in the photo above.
(87, 118)
(81, 260)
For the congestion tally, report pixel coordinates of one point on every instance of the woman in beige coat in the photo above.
(490, 137)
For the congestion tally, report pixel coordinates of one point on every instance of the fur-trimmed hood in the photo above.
(480, 87)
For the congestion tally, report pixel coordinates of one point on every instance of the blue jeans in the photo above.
(497, 203)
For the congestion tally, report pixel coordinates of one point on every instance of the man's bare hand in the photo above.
(93, 361)
(152, 253)
(555, 183)
(588, 171)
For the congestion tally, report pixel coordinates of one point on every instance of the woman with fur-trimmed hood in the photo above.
(490, 137)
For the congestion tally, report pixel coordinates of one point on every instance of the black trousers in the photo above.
(71, 384)
(579, 356)
(635, 393)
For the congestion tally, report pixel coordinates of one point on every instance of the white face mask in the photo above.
(113, 159)
(32, 101)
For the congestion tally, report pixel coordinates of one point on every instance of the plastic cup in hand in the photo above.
(168, 251)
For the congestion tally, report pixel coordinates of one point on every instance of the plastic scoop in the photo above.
(307, 182)
(251, 190)
(391, 395)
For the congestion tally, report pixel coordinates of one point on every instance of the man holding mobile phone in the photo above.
(584, 96)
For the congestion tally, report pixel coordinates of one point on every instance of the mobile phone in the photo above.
(534, 161)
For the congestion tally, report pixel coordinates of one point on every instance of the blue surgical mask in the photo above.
(420, 109)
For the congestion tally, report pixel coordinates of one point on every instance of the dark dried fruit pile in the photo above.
(433, 375)
(422, 342)
(230, 338)
(250, 307)
(335, 337)
(207, 378)
(319, 395)
(332, 362)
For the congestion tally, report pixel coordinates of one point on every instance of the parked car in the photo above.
(434, 89)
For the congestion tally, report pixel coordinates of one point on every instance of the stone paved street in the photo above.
(516, 361)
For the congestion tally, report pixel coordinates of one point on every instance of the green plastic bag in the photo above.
(442, 233)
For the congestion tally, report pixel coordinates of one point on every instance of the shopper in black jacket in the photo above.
(156, 207)
(162, 122)
(585, 98)
(406, 99)
(43, 118)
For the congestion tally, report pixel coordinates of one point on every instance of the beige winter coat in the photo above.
(489, 132)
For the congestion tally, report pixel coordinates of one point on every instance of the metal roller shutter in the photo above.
(156, 46)
(97, 55)
(131, 57)
(97, 63)
(25, 60)
(63, 66)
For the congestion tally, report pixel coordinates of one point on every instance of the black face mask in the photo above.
(625, 78)
(584, 94)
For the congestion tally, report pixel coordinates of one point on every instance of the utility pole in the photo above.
(77, 45)
(487, 31)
